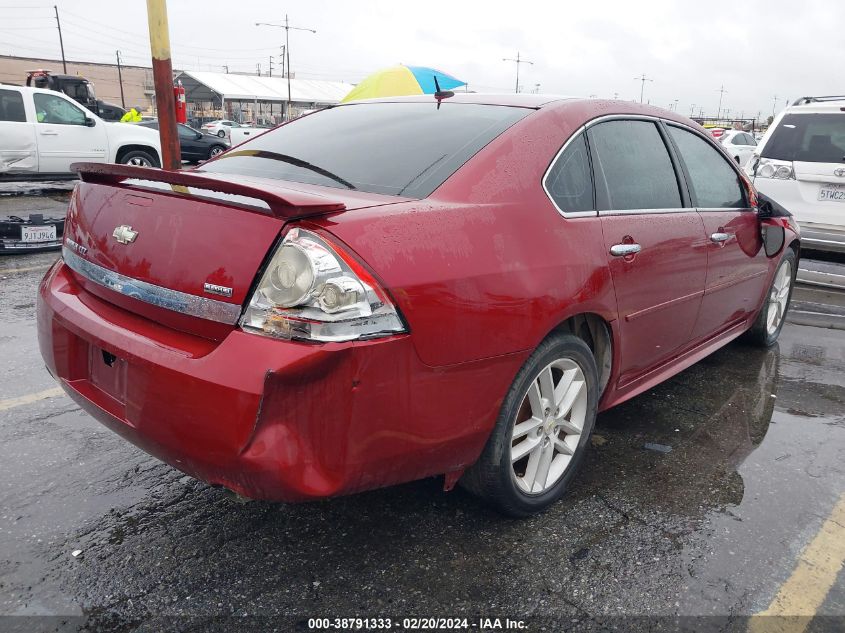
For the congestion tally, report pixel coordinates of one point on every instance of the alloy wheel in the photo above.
(548, 426)
(778, 297)
(139, 161)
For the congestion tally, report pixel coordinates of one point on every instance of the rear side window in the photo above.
(810, 137)
(403, 149)
(714, 183)
(11, 106)
(569, 182)
(632, 167)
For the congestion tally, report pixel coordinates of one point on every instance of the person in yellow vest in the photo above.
(133, 116)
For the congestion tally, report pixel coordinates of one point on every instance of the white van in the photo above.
(42, 132)
(800, 163)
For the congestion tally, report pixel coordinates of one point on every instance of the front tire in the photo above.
(221, 133)
(772, 316)
(542, 432)
(215, 151)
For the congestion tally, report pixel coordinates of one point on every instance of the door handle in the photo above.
(49, 133)
(720, 237)
(621, 250)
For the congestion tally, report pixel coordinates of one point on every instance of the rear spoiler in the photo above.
(284, 203)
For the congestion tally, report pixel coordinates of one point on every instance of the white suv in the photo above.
(800, 163)
(43, 132)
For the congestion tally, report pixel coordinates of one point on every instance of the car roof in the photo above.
(822, 105)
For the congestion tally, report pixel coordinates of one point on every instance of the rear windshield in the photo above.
(402, 149)
(813, 138)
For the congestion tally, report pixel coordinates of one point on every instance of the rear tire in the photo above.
(139, 158)
(772, 316)
(221, 133)
(542, 431)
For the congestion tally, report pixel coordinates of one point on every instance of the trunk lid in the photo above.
(183, 248)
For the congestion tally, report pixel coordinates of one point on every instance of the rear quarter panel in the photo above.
(487, 266)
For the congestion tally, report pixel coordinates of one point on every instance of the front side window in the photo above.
(52, 109)
(569, 182)
(714, 183)
(632, 167)
(810, 137)
(402, 149)
(11, 106)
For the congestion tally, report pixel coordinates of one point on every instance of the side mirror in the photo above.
(199, 135)
(772, 232)
(89, 122)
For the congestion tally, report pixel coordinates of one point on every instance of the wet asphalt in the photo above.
(745, 462)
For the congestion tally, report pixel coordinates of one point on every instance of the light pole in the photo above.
(287, 27)
(721, 92)
(691, 110)
(518, 61)
(642, 81)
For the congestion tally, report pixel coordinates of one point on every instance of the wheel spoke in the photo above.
(523, 428)
(535, 401)
(575, 389)
(542, 473)
(563, 386)
(547, 385)
(531, 467)
(562, 447)
(526, 446)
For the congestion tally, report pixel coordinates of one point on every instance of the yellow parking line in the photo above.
(11, 403)
(804, 592)
(8, 271)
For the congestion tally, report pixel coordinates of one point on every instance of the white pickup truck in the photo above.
(42, 132)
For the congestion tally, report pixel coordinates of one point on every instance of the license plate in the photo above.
(832, 193)
(38, 233)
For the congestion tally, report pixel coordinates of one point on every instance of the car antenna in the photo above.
(441, 94)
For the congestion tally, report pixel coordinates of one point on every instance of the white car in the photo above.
(232, 130)
(43, 132)
(800, 163)
(740, 145)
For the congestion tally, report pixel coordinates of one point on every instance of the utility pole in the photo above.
(287, 27)
(270, 74)
(642, 81)
(61, 42)
(721, 92)
(518, 61)
(225, 69)
(536, 89)
(163, 78)
(283, 59)
(615, 96)
(774, 104)
(691, 110)
(258, 69)
(120, 79)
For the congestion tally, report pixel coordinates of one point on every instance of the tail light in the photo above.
(773, 168)
(315, 291)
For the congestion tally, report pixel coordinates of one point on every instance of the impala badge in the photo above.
(214, 289)
(124, 234)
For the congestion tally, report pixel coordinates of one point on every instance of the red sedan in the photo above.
(386, 291)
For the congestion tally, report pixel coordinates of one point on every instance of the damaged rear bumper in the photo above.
(270, 419)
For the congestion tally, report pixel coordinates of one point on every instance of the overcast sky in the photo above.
(755, 48)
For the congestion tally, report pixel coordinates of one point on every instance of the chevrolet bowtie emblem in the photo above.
(124, 234)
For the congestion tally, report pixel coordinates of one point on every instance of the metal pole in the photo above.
(120, 80)
(517, 73)
(722, 92)
(163, 79)
(287, 53)
(61, 42)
